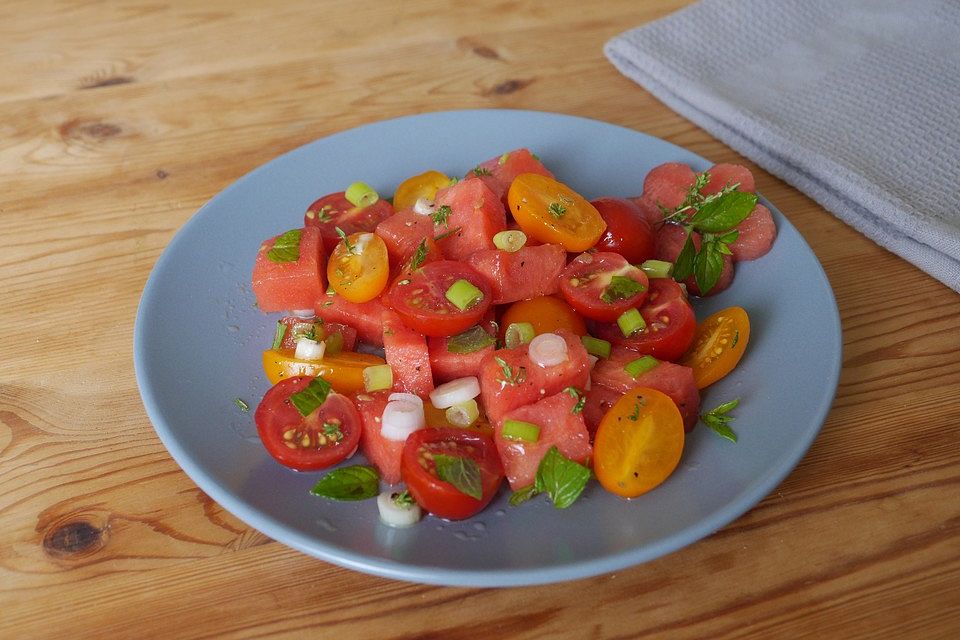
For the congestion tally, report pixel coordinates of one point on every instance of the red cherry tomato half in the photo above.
(334, 210)
(419, 472)
(670, 320)
(324, 438)
(628, 232)
(601, 286)
(420, 298)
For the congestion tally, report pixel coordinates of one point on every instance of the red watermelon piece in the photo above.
(723, 174)
(668, 184)
(288, 286)
(448, 366)
(476, 216)
(381, 452)
(405, 350)
(365, 317)
(505, 168)
(757, 233)
(402, 232)
(527, 273)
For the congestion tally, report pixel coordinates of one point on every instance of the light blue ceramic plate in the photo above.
(198, 340)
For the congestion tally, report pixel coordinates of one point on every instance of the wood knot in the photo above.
(111, 81)
(162, 174)
(73, 539)
(507, 87)
(80, 129)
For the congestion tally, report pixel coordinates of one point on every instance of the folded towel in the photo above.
(856, 103)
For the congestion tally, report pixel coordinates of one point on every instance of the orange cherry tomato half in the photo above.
(359, 267)
(718, 345)
(344, 370)
(546, 314)
(638, 443)
(424, 185)
(552, 212)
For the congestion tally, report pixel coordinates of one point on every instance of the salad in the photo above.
(500, 326)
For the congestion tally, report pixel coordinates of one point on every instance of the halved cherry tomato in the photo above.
(670, 323)
(420, 298)
(424, 185)
(628, 232)
(438, 418)
(330, 434)
(601, 286)
(638, 443)
(550, 211)
(334, 210)
(718, 345)
(344, 370)
(419, 471)
(545, 313)
(359, 267)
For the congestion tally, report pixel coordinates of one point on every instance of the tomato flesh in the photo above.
(590, 284)
(420, 299)
(359, 267)
(327, 436)
(552, 212)
(344, 370)
(718, 345)
(438, 496)
(424, 185)
(547, 314)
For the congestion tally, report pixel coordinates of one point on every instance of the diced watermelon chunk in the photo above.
(402, 232)
(675, 380)
(287, 286)
(670, 241)
(757, 233)
(668, 184)
(365, 317)
(381, 452)
(723, 174)
(528, 273)
(448, 366)
(476, 216)
(559, 426)
(504, 168)
(407, 354)
(526, 382)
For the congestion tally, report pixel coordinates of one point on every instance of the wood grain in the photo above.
(118, 120)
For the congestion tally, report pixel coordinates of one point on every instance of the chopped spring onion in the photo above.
(596, 346)
(463, 414)
(278, 336)
(463, 294)
(518, 333)
(471, 340)
(410, 397)
(400, 419)
(512, 240)
(424, 207)
(520, 430)
(455, 392)
(360, 194)
(334, 343)
(308, 349)
(377, 377)
(630, 322)
(657, 268)
(309, 314)
(640, 365)
(548, 349)
(397, 510)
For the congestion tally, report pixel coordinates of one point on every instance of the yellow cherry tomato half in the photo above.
(550, 211)
(412, 189)
(546, 314)
(718, 345)
(638, 443)
(359, 267)
(344, 370)
(438, 418)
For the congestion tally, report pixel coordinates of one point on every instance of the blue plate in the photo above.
(198, 340)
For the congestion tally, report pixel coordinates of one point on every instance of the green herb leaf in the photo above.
(357, 482)
(419, 255)
(507, 374)
(579, 397)
(522, 495)
(481, 171)
(311, 397)
(561, 478)
(472, 340)
(620, 288)
(683, 266)
(286, 248)
(441, 215)
(557, 210)
(278, 336)
(403, 499)
(635, 414)
(447, 233)
(462, 473)
(346, 241)
(707, 266)
(724, 212)
(243, 406)
(332, 430)
(717, 419)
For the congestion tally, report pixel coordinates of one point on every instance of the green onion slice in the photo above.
(596, 346)
(518, 333)
(360, 194)
(471, 340)
(334, 343)
(512, 240)
(640, 365)
(657, 268)
(520, 430)
(378, 377)
(630, 322)
(463, 294)
(463, 414)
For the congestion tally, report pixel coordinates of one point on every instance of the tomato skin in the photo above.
(547, 314)
(358, 271)
(576, 225)
(442, 498)
(585, 279)
(628, 232)
(275, 416)
(421, 302)
(718, 345)
(424, 185)
(344, 370)
(334, 210)
(638, 443)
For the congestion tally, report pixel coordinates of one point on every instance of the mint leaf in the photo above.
(357, 482)
(462, 473)
(725, 212)
(311, 397)
(471, 340)
(522, 495)
(286, 248)
(683, 265)
(707, 266)
(621, 288)
(561, 478)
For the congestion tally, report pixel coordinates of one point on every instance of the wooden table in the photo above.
(118, 120)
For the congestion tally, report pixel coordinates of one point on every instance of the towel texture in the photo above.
(856, 103)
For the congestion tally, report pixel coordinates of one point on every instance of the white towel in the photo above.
(854, 102)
